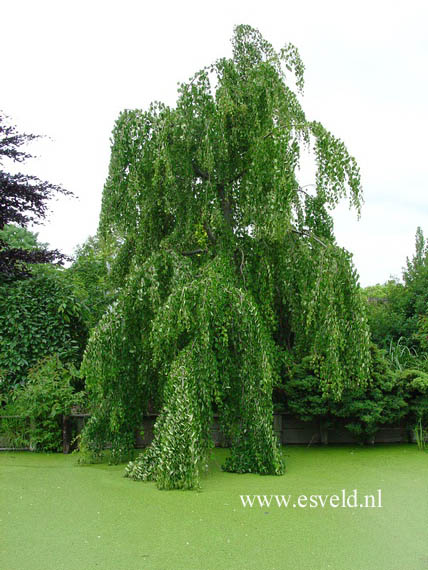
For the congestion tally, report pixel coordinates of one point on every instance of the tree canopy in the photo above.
(39, 316)
(398, 311)
(89, 277)
(224, 267)
(23, 200)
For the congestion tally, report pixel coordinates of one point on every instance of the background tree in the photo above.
(223, 265)
(21, 238)
(398, 312)
(415, 277)
(23, 200)
(39, 316)
(386, 312)
(89, 276)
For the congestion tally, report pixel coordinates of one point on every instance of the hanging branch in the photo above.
(210, 234)
(307, 233)
(194, 252)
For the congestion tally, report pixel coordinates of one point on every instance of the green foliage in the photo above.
(48, 394)
(386, 312)
(400, 355)
(89, 277)
(421, 435)
(222, 266)
(303, 393)
(416, 382)
(422, 333)
(383, 401)
(415, 385)
(17, 237)
(38, 316)
(416, 282)
(387, 398)
(397, 312)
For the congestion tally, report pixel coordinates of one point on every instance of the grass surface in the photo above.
(56, 515)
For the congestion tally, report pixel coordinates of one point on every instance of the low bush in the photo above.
(48, 394)
(389, 396)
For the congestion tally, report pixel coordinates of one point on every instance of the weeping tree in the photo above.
(224, 268)
(23, 200)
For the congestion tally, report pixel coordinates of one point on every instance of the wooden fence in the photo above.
(289, 430)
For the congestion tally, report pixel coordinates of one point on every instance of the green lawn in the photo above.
(56, 515)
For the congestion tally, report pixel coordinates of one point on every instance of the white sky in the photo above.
(69, 68)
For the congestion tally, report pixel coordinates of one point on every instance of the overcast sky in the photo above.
(69, 68)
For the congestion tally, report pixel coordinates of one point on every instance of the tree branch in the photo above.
(225, 206)
(199, 172)
(210, 234)
(281, 126)
(194, 252)
(300, 189)
(309, 234)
